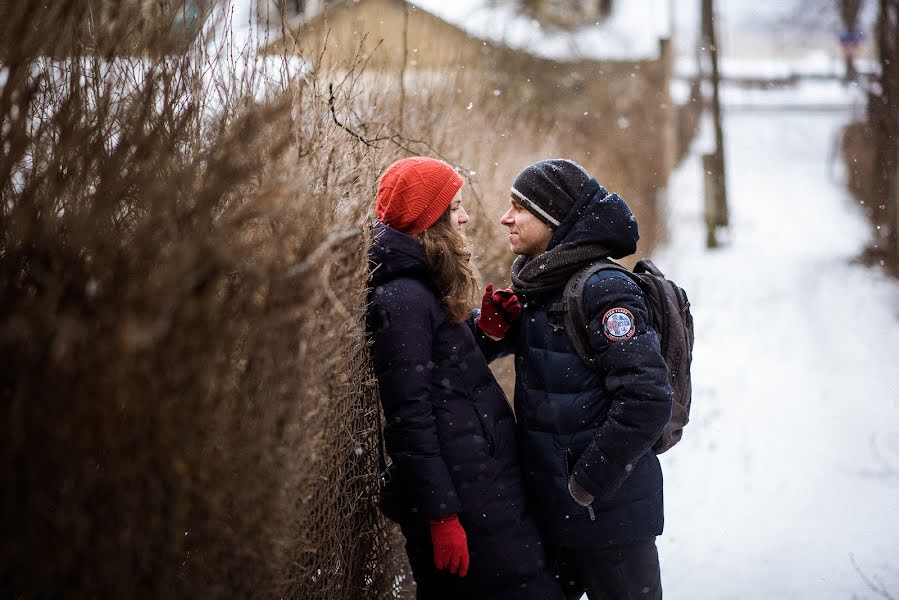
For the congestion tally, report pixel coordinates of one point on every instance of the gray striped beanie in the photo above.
(550, 188)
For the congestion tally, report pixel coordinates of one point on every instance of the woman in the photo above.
(455, 486)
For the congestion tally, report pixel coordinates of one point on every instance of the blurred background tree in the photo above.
(566, 13)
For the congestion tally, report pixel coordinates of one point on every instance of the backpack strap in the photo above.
(575, 318)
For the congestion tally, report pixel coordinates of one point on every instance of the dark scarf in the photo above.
(550, 271)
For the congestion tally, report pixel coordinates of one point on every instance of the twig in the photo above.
(405, 61)
(876, 586)
(369, 143)
(329, 292)
(887, 468)
(334, 238)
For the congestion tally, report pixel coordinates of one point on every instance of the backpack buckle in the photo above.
(555, 314)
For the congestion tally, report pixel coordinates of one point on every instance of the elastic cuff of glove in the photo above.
(448, 519)
(578, 493)
(490, 335)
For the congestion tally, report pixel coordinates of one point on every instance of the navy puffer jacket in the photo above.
(597, 423)
(449, 429)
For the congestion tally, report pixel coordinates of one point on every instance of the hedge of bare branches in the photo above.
(186, 406)
(187, 409)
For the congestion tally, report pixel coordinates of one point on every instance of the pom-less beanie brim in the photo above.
(550, 188)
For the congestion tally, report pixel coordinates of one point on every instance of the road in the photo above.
(786, 484)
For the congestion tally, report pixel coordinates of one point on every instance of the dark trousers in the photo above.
(621, 572)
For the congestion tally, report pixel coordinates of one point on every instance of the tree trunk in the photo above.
(711, 43)
(888, 148)
(849, 10)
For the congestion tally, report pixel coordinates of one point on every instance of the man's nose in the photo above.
(506, 219)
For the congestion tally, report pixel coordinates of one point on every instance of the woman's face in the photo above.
(458, 216)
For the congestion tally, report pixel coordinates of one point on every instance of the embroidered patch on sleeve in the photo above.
(618, 324)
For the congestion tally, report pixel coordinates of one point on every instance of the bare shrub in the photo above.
(186, 403)
(187, 407)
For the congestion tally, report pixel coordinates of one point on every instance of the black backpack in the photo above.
(670, 317)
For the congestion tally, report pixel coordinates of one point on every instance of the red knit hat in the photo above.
(414, 192)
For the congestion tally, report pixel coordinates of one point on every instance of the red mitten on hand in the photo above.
(450, 545)
(498, 310)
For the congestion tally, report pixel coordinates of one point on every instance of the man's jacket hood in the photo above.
(601, 218)
(394, 254)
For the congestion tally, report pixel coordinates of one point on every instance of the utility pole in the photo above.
(716, 205)
(889, 22)
(895, 204)
(887, 124)
(850, 37)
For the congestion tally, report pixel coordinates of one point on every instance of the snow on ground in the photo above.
(815, 63)
(803, 95)
(233, 35)
(631, 32)
(788, 474)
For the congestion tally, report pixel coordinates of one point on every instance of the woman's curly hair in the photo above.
(450, 261)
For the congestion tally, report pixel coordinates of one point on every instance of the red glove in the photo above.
(450, 545)
(498, 310)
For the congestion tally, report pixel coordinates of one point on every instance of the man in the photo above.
(586, 432)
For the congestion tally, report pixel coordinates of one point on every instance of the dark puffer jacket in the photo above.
(598, 423)
(449, 430)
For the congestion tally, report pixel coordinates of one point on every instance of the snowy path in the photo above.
(790, 466)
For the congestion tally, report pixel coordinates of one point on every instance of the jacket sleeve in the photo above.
(402, 321)
(493, 349)
(635, 376)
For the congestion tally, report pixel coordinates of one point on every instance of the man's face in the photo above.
(528, 235)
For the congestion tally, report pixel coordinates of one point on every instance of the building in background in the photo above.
(605, 80)
(567, 13)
